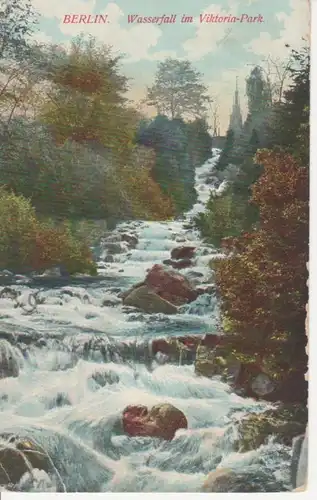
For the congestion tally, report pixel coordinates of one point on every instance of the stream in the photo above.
(73, 334)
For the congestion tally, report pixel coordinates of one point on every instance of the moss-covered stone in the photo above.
(284, 423)
(217, 361)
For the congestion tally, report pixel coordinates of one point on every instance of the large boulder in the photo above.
(9, 365)
(248, 481)
(170, 285)
(19, 456)
(284, 423)
(183, 253)
(161, 421)
(147, 300)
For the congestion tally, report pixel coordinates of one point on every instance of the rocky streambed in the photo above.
(118, 383)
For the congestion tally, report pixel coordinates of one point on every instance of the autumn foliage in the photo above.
(27, 244)
(263, 281)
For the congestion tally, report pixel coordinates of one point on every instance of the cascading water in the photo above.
(72, 336)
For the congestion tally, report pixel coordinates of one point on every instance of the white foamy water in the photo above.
(70, 337)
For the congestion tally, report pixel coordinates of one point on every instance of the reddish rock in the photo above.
(161, 421)
(183, 252)
(170, 285)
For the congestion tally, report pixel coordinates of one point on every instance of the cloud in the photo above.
(58, 8)
(295, 26)
(135, 41)
(209, 36)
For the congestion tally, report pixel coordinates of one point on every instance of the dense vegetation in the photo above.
(261, 222)
(74, 147)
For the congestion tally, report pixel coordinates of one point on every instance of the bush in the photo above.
(26, 244)
(18, 228)
(263, 282)
(223, 218)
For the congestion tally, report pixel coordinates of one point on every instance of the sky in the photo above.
(220, 51)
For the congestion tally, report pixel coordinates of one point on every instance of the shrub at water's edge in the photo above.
(263, 281)
(26, 244)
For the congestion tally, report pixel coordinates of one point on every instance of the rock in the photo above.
(18, 456)
(113, 248)
(61, 399)
(123, 295)
(178, 264)
(54, 272)
(216, 361)
(285, 423)
(248, 481)
(170, 285)
(9, 293)
(210, 289)
(161, 421)
(109, 258)
(148, 301)
(178, 349)
(111, 302)
(9, 366)
(296, 452)
(262, 385)
(107, 377)
(131, 239)
(302, 470)
(181, 264)
(183, 252)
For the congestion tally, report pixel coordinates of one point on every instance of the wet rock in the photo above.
(262, 385)
(18, 456)
(111, 302)
(107, 377)
(61, 399)
(180, 350)
(296, 452)
(53, 272)
(9, 293)
(216, 361)
(182, 263)
(183, 253)
(113, 247)
(248, 481)
(210, 289)
(9, 366)
(302, 468)
(109, 258)
(124, 294)
(170, 285)
(161, 421)
(285, 423)
(131, 239)
(148, 301)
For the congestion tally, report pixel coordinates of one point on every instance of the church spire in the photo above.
(236, 117)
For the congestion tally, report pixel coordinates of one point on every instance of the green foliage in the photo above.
(178, 91)
(223, 218)
(26, 244)
(180, 147)
(263, 283)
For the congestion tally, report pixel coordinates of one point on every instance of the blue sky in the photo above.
(219, 51)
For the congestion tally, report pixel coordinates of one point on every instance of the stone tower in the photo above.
(236, 117)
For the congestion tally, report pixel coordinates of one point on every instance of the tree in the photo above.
(258, 92)
(290, 127)
(263, 281)
(17, 21)
(178, 90)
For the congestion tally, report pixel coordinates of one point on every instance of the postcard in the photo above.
(154, 233)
